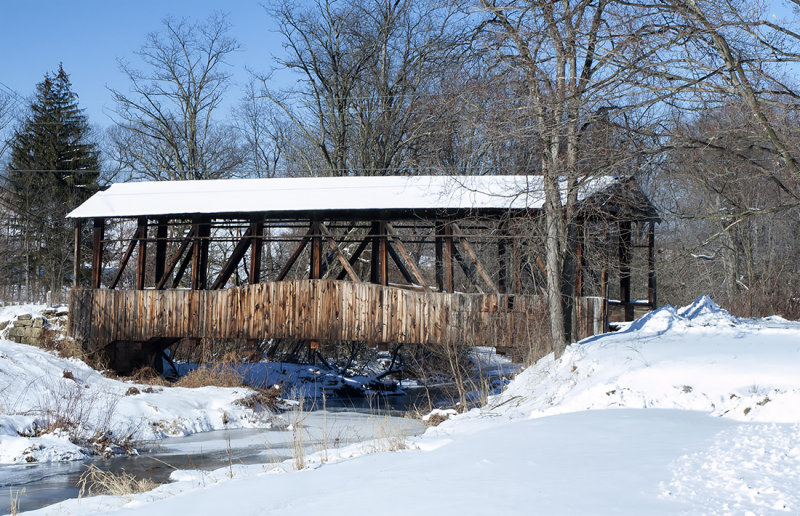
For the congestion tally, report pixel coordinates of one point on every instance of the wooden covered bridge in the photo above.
(428, 260)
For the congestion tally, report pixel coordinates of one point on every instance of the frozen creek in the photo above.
(48, 483)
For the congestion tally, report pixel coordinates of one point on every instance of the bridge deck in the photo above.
(314, 310)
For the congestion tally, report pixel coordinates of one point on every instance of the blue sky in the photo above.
(88, 36)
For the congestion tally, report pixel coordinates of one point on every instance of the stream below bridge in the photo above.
(343, 422)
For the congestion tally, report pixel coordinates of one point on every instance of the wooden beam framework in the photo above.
(362, 246)
(379, 266)
(329, 241)
(256, 251)
(444, 256)
(294, 256)
(162, 232)
(625, 252)
(76, 253)
(173, 261)
(339, 255)
(233, 260)
(98, 230)
(396, 242)
(474, 257)
(652, 292)
(200, 247)
(141, 262)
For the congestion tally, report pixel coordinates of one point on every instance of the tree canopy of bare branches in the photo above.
(166, 125)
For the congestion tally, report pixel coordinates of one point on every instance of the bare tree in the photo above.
(263, 133)
(368, 68)
(745, 55)
(581, 63)
(7, 116)
(414, 46)
(733, 226)
(323, 47)
(166, 126)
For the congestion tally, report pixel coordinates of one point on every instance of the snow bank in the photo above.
(695, 358)
(48, 404)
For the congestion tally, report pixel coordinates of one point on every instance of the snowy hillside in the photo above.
(53, 408)
(695, 358)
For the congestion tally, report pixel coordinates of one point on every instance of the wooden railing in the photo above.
(314, 310)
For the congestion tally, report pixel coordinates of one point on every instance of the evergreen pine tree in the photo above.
(53, 168)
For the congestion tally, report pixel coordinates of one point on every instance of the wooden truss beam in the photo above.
(474, 257)
(406, 256)
(468, 268)
(315, 260)
(173, 261)
(356, 254)
(125, 258)
(399, 262)
(502, 258)
(335, 248)
(295, 255)
(233, 261)
(182, 269)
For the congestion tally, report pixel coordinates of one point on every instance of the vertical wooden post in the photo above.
(76, 255)
(382, 249)
(604, 270)
(202, 232)
(579, 259)
(625, 248)
(205, 243)
(315, 269)
(141, 263)
(256, 250)
(652, 292)
(501, 258)
(439, 248)
(161, 249)
(448, 257)
(516, 261)
(379, 266)
(98, 231)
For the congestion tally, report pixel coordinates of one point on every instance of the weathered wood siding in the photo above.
(313, 310)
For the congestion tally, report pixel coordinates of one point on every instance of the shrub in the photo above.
(219, 376)
(95, 481)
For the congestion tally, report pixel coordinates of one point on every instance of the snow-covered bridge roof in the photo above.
(322, 194)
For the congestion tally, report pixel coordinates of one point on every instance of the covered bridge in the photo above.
(428, 260)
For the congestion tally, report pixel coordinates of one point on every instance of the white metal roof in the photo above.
(320, 194)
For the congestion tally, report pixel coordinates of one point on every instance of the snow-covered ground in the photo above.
(53, 408)
(687, 411)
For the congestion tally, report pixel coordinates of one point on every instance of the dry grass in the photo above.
(148, 376)
(94, 481)
(388, 437)
(218, 376)
(267, 399)
(54, 338)
(298, 416)
(14, 500)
